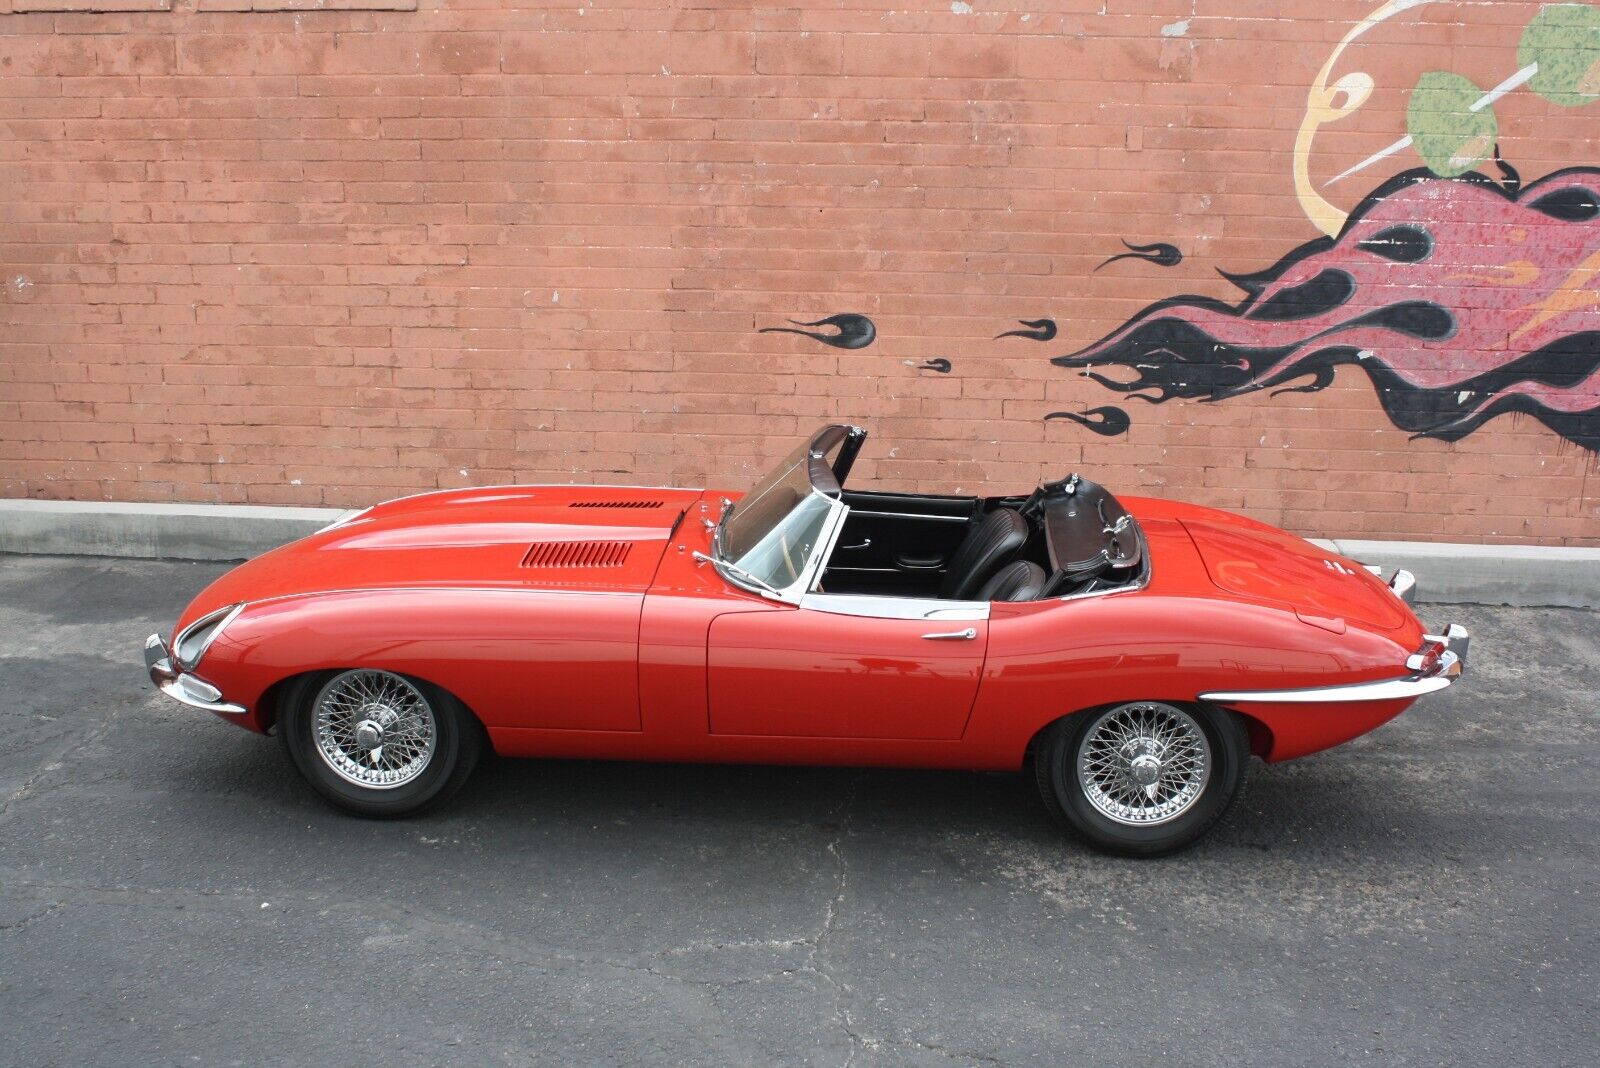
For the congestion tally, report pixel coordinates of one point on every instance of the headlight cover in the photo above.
(197, 637)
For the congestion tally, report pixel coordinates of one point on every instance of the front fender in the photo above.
(516, 656)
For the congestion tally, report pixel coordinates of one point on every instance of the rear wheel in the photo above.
(378, 743)
(1142, 778)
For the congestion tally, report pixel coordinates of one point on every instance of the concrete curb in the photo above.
(171, 531)
(1528, 575)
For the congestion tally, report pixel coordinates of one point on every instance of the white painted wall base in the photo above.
(1446, 573)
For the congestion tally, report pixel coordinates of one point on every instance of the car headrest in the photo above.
(1021, 581)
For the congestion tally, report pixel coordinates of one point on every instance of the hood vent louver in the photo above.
(635, 503)
(575, 554)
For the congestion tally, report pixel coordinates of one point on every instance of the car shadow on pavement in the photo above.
(1339, 801)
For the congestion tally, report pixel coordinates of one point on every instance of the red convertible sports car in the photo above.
(1130, 655)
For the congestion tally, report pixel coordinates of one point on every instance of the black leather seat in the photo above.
(988, 546)
(1019, 581)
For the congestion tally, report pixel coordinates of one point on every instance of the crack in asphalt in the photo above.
(18, 925)
(817, 960)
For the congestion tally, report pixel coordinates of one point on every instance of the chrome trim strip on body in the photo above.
(878, 606)
(1445, 670)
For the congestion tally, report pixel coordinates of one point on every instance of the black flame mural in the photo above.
(849, 330)
(1461, 298)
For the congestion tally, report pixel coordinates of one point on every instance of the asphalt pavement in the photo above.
(171, 893)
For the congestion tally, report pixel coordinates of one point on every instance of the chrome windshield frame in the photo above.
(808, 575)
(825, 486)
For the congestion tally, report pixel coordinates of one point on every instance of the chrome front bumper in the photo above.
(1440, 661)
(181, 686)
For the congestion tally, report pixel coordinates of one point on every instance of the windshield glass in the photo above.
(774, 530)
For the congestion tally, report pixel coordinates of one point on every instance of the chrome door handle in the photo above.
(865, 542)
(953, 635)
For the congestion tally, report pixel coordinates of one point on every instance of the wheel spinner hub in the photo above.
(1143, 763)
(374, 719)
(1144, 767)
(374, 729)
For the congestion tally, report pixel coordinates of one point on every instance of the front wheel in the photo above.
(1142, 778)
(377, 743)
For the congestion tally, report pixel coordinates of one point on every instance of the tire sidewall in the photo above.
(297, 726)
(1230, 755)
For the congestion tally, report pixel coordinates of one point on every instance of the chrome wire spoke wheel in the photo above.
(374, 729)
(1144, 763)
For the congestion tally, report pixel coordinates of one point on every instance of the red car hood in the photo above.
(584, 537)
(1263, 563)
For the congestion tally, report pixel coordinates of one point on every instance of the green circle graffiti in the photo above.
(1451, 130)
(1564, 40)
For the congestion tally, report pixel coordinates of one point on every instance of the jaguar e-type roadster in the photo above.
(1131, 656)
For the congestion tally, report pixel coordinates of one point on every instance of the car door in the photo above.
(844, 666)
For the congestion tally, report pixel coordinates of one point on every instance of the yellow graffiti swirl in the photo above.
(1321, 108)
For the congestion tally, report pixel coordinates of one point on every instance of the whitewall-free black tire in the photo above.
(1145, 777)
(378, 743)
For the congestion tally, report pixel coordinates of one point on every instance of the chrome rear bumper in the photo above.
(1440, 662)
(181, 686)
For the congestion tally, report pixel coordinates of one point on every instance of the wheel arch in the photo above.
(1259, 733)
(270, 703)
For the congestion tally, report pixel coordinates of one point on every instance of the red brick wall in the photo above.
(324, 257)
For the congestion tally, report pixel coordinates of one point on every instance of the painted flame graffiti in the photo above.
(1460, 298)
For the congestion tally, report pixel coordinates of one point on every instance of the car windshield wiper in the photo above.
(739, 571)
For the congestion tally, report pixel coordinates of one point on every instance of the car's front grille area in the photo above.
(570, 554)
(634, 503)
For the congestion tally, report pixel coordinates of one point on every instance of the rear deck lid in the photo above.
(1257, 561)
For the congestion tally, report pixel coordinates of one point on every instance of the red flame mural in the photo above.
(1461, 298)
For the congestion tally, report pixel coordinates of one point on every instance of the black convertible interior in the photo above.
(1067, 537)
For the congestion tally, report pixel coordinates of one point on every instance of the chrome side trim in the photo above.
(1386, 690)
(1445, 670)
(876, 606)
